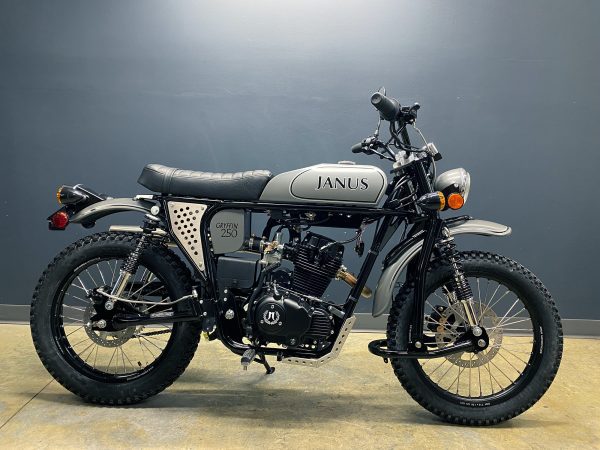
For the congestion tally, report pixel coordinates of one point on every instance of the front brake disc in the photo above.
(451, 320)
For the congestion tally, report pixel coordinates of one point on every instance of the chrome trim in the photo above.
(480, 227)
(385, 286)
(336, 348)
(135, 229)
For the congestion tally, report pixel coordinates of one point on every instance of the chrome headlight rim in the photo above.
(454, 180)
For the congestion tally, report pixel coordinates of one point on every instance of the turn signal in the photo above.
(59, 220)
(432, 201)
(68, 195)
(455, 201)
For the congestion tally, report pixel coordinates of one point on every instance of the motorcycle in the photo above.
(473, 337)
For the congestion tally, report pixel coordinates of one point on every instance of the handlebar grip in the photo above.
(357, 148)
(388, 107)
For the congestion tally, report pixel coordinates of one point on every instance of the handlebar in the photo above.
(399, 117)
(388, 107)
(357, 148)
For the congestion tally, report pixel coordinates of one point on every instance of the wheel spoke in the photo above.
(108, 351)
(166, 299)
(91, 278)
(114, 270)
(140, 289)
(101, 274)
(500, 370)
(111, 359)
(505, 357)
(488, 308)
(87, 302)
(443, 361)
(509, 324)
(73, 307)
(71, 318)
(509, 363)
(77, 329)
(493, 295)
(516, 315)
(85, 289)
(438, 381)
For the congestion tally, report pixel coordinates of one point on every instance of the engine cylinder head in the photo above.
(316, 261)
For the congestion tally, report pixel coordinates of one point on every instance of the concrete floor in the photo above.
(353, 402)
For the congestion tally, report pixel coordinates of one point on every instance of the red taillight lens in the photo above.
(59, 220)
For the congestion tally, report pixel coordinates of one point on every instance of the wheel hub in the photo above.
(451, 325)
(106, 338)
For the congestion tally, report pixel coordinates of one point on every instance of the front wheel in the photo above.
(512, 373)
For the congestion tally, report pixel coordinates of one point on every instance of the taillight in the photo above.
(59, 220)
(69, 195)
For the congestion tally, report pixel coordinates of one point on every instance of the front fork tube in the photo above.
(416, 331)
(461, 290)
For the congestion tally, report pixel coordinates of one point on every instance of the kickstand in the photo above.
(263, 360)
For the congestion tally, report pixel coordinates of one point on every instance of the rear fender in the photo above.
(90, 214)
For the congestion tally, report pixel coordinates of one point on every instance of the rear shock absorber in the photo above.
(461, 290)
(131, 264)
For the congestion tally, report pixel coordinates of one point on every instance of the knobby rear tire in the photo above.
(172, 363)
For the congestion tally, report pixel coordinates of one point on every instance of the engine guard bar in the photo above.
(379, 348)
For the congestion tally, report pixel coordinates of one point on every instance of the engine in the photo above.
(317, 260)
(289, 311)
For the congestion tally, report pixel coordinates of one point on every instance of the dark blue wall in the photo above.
(92, 91)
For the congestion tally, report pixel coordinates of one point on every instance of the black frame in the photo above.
(425, 225)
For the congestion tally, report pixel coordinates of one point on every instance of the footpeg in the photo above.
(248, 357)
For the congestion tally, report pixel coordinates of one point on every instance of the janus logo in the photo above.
(271, 317)
(352, 183)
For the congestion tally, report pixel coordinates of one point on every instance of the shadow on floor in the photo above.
(285, 406)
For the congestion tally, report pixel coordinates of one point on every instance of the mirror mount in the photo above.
(381, 90)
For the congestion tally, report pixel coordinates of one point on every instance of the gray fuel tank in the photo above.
(328, 183)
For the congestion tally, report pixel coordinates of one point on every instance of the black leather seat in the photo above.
(223, 186)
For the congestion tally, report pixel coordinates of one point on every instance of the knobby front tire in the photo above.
(512, 374)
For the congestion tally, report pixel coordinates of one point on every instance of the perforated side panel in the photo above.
(185, 222)
(335, 348)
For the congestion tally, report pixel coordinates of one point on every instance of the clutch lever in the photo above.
(368, 146)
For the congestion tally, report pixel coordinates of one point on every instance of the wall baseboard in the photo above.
(364, 323)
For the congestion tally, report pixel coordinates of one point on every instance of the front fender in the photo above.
(385, 286)
(88, 215)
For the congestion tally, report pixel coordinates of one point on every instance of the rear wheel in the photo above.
(512, 373)
(111, 367)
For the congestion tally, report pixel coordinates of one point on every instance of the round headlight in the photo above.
(455, 180)
(467, 185)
